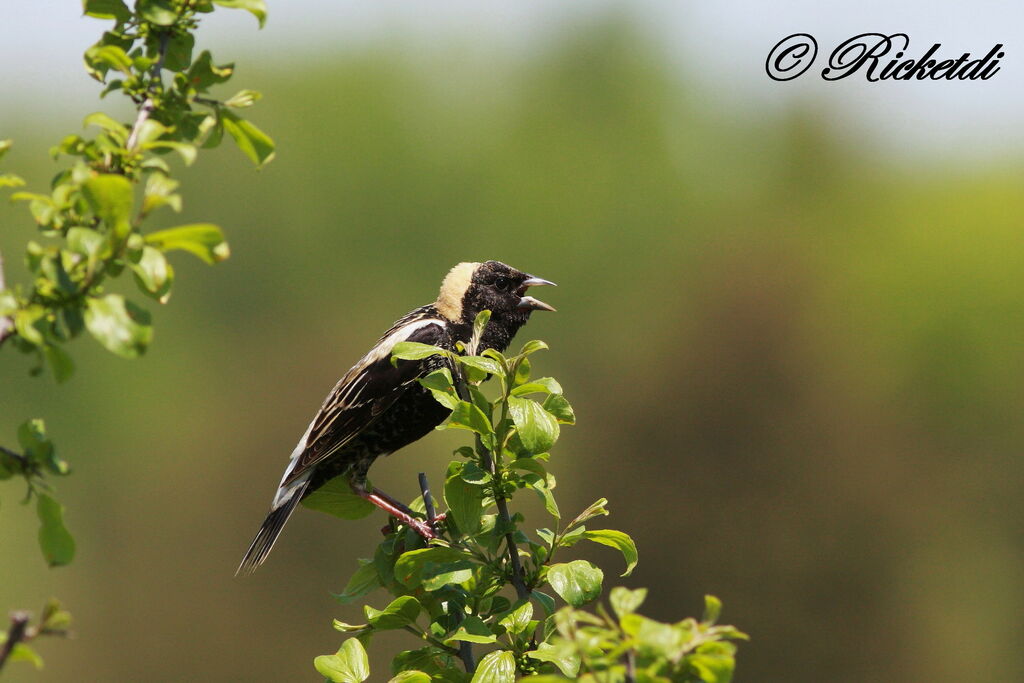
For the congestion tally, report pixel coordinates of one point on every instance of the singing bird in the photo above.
(379, 407)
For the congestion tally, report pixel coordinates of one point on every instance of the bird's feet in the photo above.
(400, 512)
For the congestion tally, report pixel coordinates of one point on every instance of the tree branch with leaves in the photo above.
(92, 219)
(488, 582)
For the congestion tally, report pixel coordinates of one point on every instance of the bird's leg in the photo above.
(394, 508)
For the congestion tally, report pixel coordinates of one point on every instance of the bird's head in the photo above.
(473, 287)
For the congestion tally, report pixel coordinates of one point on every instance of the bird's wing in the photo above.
(367, 390)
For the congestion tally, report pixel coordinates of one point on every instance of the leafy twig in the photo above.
(149, 105)
(504, 517)
(6, 322)
(16, 634)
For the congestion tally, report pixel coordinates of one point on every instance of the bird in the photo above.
(378, 406)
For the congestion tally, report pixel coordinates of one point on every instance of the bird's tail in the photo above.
(270, 530)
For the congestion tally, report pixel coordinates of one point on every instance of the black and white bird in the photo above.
(379, 407)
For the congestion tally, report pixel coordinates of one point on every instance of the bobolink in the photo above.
(379, 407)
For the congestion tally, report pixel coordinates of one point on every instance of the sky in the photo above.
(721, 45)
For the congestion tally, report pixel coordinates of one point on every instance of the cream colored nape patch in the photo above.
(456, 282)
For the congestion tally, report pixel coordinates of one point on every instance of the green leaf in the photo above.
(348, 628)
(119, 325)
(439, 382)
(714, 662)
(179, 51)
(411, 677)
(540, 486)
(33, 441)
(253, 142)
(204, 73)
(532, 347)
(243, 98)
(349, 665)
(472, 630)
(616, 539)
(28, 322)
(104, 57)
(148, 132)
(160, 192)
(54, 617)
(409, 567)
(563, 655)
(559, 407)
(518, 619)
(86, 242)
(54, 539)
(258, 8)
(407, 350)
(712, 609)
(625, 601)
(468, 416)
(159, 12)
(118, 130)
(11, 180)
(577, 582)
(497, 667)
(465, 503)
(152, 270)
(23, 653)
(185, 150)
(60, 362)
(522, 374)
(430, 660)
(110, 197)
(545, 600)
(364, 580)
(537, 429)
(202, 239)
(437, 576)
(488, 365)
(544, 385)
(665, 639)
(336, 498)
(472, 473)
(593, 510)
(402, 612)
(5, 146)
(106, 9)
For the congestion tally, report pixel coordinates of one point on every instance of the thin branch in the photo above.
(499, 499)
(149, 105)
(465, 647)
(21, 459)
(428, 500)
(6, 322)
(17, 633)
(630, 666)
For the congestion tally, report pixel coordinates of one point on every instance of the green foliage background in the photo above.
(795, 365)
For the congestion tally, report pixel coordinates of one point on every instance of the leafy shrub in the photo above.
(487, 582)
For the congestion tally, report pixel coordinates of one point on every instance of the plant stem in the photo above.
(499, 499)
(149, 105)
(16, 634)
(6, 322)
(630, 666)
(428, 500)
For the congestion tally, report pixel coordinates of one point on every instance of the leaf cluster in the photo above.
(91, 218)
(14, 644)
(490, 582)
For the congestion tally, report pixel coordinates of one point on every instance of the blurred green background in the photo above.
(797, 367)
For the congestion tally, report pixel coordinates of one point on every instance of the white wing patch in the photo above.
(351, 389)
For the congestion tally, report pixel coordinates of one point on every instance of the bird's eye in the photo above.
(501, 284)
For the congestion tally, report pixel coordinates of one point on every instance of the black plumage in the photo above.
(379, 407)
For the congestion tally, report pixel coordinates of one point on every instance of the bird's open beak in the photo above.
(528, 302)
